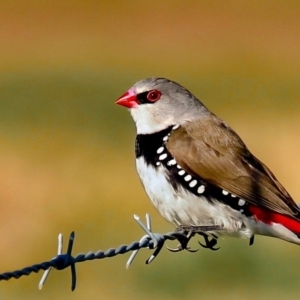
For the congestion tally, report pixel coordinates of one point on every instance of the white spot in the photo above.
(181, 172)
(176, 126)
(171, 162)
(178, 167)
(158, 163)
(241, 202)
(241, 210)
(225, 193)
(233, 196)
(160, 150)
(163, 156)
(201, 189)
(193, 183)
(188, 177)
(192, 210)
(165, 138)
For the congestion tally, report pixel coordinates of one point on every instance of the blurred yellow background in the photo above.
(67, 156)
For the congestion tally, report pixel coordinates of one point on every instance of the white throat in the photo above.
(147, 122)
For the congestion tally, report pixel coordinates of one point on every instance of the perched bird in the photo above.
(197, 171)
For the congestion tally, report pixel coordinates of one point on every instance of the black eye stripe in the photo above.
(143, 98)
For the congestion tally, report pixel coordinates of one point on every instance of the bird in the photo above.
(197, 171)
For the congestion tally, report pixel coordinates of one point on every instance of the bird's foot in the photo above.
(209, 243)
(184, 242)
(190, 231)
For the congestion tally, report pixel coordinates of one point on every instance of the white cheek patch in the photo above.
(144, 120)
(150, 118)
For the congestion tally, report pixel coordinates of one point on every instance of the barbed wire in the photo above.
(150, 240)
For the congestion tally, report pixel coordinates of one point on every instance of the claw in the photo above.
(251, 241)
(210, 247)
(209, 244)
(192, 250)
(184, 243)
(192, 230)
(178, 249)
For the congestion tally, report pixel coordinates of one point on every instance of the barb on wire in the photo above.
(62, 261)
(59, 252)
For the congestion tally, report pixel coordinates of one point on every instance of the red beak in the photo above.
(128, 99)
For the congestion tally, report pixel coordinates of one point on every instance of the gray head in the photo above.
(157, 103)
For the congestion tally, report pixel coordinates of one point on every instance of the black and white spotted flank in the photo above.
(152, 148)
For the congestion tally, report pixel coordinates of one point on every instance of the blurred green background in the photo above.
(67, 157)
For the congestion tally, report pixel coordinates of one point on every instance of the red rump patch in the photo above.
(268, 217)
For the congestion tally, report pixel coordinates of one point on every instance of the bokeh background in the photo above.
(67, 157)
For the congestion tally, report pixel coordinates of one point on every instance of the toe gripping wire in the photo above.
(150, 240)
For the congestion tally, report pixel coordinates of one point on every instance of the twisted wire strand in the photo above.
(112, 251)
(28, 270)
(151, 240)
(63, 261)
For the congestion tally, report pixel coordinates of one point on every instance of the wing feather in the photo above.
(210, 149)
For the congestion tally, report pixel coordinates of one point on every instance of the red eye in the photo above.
(153, 95)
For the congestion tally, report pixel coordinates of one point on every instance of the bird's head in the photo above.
(157, 103)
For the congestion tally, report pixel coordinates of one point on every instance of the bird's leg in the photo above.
(197, 229)
(209, 243)
(190, 231)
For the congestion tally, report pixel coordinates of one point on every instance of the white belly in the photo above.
(184, 208)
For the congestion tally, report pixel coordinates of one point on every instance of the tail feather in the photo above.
(268, 217)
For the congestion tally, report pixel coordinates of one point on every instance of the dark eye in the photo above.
(153, 96)
(149, 97)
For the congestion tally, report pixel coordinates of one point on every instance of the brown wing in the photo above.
(215, 153)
